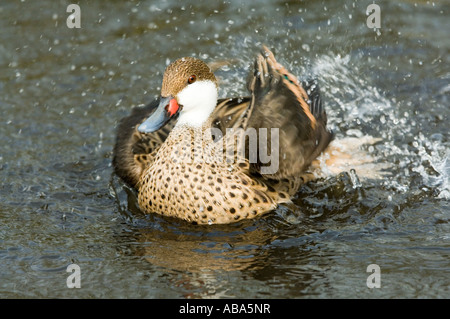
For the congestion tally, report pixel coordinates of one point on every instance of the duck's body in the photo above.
(182, 169)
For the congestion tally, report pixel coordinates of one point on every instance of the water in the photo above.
(62, 92)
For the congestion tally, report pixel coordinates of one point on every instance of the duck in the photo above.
(208, 160)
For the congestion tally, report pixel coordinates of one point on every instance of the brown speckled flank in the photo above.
(175, 169)
(200, 190)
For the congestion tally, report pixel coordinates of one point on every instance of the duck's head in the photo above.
(189, 88)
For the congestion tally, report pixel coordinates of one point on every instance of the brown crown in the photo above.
(178, 72)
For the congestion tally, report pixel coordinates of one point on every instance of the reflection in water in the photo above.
(202, 258)
(195, 251)
(205, 258)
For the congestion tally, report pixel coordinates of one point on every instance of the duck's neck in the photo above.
(195, 131)
(193, 120)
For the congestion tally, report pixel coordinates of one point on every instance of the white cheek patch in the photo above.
(198, 100)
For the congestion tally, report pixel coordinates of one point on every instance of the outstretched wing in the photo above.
(280, 101)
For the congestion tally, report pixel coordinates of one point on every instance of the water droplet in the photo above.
(355, 179)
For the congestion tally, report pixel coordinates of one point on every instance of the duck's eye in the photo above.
(192, 79)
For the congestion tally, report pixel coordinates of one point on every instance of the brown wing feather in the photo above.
(280, 101)
(229, 113)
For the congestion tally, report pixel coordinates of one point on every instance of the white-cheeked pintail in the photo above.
(176, 151)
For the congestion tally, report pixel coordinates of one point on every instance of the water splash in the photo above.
(434, 167)
(344, 88)
(373, 131)
(356, 107)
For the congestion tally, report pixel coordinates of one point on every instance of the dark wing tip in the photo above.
(312, 88)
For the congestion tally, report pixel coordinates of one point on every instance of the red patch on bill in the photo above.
(173, 107)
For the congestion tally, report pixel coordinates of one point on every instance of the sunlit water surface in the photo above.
(62, 92)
